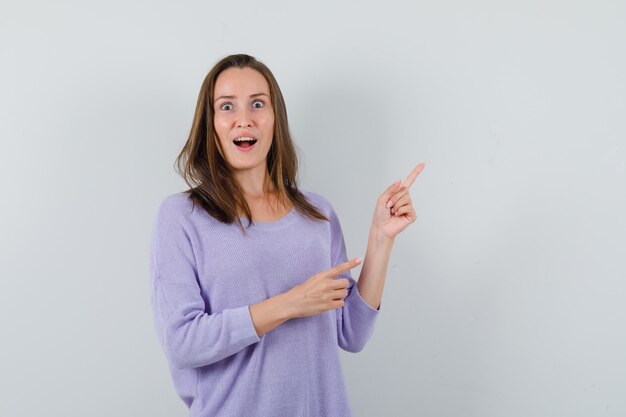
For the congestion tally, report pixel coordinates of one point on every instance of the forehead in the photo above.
(240, 82)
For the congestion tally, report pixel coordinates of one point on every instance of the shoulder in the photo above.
(174, 207)
(179, 201)
(317, 200)
(321, 202)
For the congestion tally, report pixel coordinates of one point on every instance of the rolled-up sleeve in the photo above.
(356, 319)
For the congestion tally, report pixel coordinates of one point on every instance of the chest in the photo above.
(236, 270)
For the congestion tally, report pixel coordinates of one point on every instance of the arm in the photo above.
(356, 319)
(270, 313)
(374, 270)
(393, 213)
(190, 337)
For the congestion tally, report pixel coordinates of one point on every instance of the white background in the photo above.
(505, 298)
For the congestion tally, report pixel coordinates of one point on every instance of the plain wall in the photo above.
(505, 298)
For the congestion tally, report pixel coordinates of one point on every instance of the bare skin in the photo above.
(265, 207)
(394, 212)
(243, 108)
(321, 292)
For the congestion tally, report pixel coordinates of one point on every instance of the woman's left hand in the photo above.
(394, 210)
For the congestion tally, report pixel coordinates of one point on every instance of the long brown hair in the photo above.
(208, 174)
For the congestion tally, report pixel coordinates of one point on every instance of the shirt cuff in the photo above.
(363, 305)
(247, 332)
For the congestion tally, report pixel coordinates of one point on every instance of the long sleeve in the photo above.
(205, 275)
(356, 319)
(189, 336)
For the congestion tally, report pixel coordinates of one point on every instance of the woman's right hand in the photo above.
(321, 292)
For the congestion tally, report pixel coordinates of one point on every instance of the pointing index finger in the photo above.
(413, 175)
(343, 267)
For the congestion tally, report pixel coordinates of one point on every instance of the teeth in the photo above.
(245, 139)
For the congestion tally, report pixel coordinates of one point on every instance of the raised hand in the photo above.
(394, 210)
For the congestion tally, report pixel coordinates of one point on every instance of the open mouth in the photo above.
(244, 142)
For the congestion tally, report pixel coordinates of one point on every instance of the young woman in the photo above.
(250, 317)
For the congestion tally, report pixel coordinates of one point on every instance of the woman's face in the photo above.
(243, 118)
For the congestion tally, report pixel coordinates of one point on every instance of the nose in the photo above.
(243, 119)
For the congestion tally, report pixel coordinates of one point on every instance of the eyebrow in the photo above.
(251, 96)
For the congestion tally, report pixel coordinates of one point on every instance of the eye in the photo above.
(257, 104)
(226, 106)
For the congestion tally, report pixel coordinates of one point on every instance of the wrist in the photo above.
(377, 236)
(269, 314)
(286, 305)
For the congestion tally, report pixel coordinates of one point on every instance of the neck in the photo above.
(255, 183)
